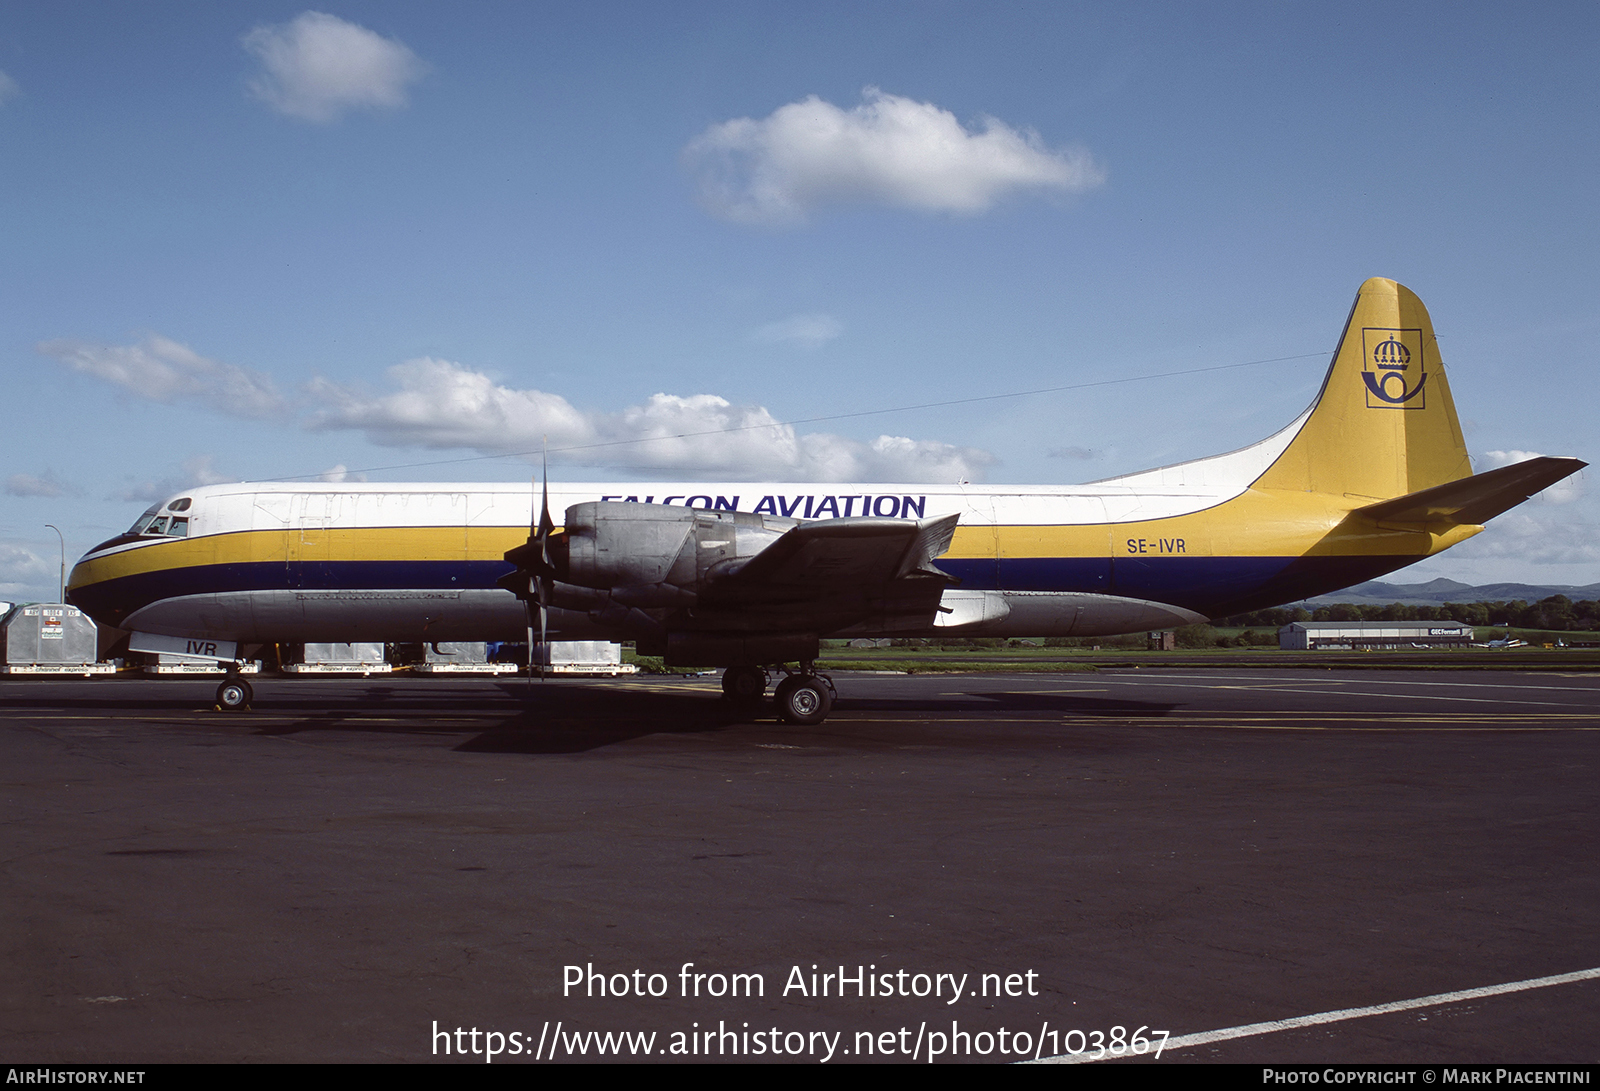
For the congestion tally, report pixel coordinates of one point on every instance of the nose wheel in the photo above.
(234, 694)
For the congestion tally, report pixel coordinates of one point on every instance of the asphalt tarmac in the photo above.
(355, 870)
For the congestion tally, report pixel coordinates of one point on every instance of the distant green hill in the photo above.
(1438, 592)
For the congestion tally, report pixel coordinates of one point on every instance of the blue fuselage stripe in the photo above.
(1213, 586)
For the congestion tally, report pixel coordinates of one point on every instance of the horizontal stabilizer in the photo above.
(1477, 499)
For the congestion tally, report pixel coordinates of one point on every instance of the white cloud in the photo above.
(8, 88)
(193, 471)
(339, 473)
(1497, 459)
(27, 576)
(166, 371)
(316, 66)
(888, 150)
(143, 492)
(1564, 491)
(45, 484)
(1523, 536)
(807, 330)
(201, 470)
(709, 437)
(444, 405)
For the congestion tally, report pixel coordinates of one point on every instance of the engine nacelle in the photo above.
(635, 547)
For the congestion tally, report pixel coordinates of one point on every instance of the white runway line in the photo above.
(1275, 690)
(1395, 682)
(1253, 1029)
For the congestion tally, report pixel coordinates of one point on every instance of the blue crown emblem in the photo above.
(1391, 355)
(1394, 357)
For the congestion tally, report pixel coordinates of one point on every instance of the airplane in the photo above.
(1372, 477)
(1507, 641)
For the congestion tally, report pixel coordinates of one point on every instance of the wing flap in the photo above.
(831, 556)
(833, 573)
(932, 541)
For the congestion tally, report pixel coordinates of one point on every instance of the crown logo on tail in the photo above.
(1389, 355)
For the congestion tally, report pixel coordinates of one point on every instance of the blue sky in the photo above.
(257, 240)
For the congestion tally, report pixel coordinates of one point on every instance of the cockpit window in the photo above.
(144, 520)
(153, 522)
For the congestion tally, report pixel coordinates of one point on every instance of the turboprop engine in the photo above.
(713, 588)
(616, 561)
(643, 546)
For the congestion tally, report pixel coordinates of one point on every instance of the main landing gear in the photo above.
(234, 694)
(744, 685)
(805, 697)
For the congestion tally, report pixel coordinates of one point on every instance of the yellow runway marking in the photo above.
(1340, 692)
(1337, 681)
(1309, 722)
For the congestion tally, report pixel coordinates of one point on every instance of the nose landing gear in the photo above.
(234, 694)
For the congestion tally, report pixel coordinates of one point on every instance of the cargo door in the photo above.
(309, 539)
(976, 544)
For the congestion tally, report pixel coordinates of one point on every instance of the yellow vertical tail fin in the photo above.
(1384, 424)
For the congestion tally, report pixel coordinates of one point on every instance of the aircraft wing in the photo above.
(1477, 499)
(823, 572)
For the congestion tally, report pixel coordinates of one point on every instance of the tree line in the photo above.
(1557, 613)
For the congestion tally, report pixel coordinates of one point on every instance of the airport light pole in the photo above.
(62, 593)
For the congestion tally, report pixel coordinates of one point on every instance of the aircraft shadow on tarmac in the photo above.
(571, 721)
(564, 719)
(512, 717)
(1064, 704)
(509, 718)
(506, 717)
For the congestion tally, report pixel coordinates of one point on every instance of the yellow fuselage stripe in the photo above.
(1255, 524)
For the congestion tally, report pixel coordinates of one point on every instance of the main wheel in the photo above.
(803, 700)
(744, 684)
(233, 695)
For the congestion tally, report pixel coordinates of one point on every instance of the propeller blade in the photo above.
(544, 588)
(546, 573)
(546, 524)
(544, 634)
(534, 580)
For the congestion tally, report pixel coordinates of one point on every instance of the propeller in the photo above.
(534, 580)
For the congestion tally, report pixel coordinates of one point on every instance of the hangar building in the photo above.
(1304, 636)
